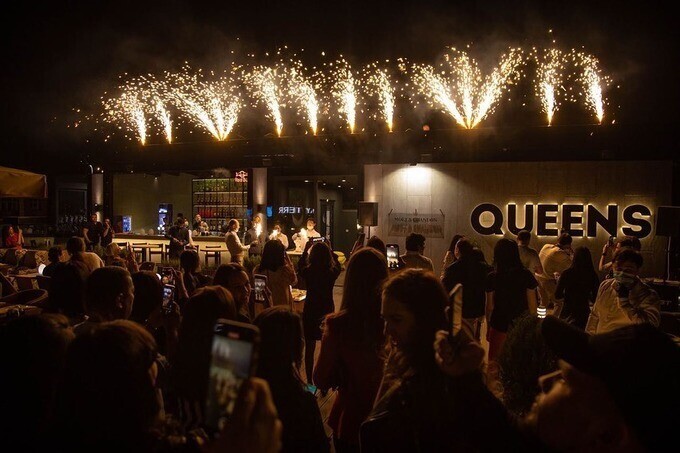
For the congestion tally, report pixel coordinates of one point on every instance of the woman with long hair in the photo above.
(192, 359)
(279, 362)
(352, 348)
(280, 273)
(319, 275)
(578, 285)
(450, 255)
(419, 408)
(510, 292)
(234, 278)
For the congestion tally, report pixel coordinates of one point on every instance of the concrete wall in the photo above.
(457, 189)
(138, 195)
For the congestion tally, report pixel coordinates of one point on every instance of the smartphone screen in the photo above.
(392, 256)
(168, 297)
(319, 239)
(456, 298)
(234, 356)
(260, 284)
(167, 276)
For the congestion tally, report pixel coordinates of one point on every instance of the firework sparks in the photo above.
(549, 75)
(263, 82)
(301, 89)
(379, 83)
(128, 109)
(344, 91)
(164, 118)
(211, 104)
(592, 82)
(460, 88)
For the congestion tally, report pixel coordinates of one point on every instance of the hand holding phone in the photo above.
(233, 360)
(260, 283)
(168, 298)
(456, 310)
(392, 256)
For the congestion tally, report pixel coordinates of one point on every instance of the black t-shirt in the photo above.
(94, 231)
(472, 275)
(510, 295)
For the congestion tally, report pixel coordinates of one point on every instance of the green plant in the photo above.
(524, 358)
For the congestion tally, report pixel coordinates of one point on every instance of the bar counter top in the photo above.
(157, 238)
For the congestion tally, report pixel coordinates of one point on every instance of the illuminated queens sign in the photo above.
(578, 220)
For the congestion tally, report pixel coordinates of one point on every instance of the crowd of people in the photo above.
(111, 365)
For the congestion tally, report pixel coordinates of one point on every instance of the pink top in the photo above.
(356, 370)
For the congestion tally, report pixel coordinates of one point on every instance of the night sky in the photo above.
(66, 54)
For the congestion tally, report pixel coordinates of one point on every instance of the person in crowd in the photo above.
(615, 391)
(109, 399)
(279, 235)
(624, 299)
(107, 233)
(197, 222)
(236, 249)
(148, 310)
(280, 358)
(54, 257)
(450, 255)
(192, 359)
(578, 286)
(319, 275)
(413, 258)
(12, 238)
(300, 239)
(418, 407)
(190, 264)
(378, 244)
(555, 259)
(469, 271)
(351, 356)
(92, 233)
(90, 261)
(302, 263)
(190, 232)
(510, 292)
(67, 291)
(234, 278)
(112, 255)
(109, 294)
(179, 238)
(280, 273)
(33, 350)
(524, 359)
(255, 237)
(607, 258)
(528, 255)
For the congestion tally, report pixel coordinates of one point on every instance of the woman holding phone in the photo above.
(280, 273)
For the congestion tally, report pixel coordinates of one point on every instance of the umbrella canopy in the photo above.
(15, 183)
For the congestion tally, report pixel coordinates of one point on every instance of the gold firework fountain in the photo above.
(459, 87)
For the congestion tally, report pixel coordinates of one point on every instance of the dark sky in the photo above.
(66, 54)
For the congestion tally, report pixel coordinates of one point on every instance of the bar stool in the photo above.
(214, 252)
(158, 249)
(140, 252)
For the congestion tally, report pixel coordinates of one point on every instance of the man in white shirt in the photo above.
(236, 249)
(413, 258)
(278, 235)
(303, 236)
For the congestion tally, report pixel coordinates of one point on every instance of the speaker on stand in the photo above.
(367, 215)
(668, 224)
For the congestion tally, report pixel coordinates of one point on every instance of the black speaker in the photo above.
(668, 221)
(367, 215)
